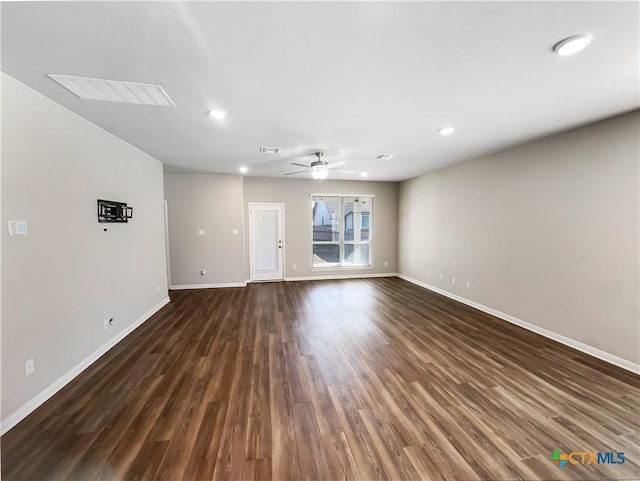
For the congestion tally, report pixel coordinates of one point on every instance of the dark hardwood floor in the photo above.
(355, 379)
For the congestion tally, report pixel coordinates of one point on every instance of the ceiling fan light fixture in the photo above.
(319, 169)
(319, 172)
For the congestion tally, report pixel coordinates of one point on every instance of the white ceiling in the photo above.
(358, 78)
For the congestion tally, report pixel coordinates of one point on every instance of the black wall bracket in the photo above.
(111, 211)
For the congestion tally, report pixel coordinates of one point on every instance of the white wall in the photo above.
(294, 193)
(546, 232)
(67, 276)
(218, 204)
(212, 203)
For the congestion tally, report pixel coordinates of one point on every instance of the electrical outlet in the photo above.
(441, 277)
(157, 287)
(200, 231)
(453, 280)
(203, 272)
(468, 284)
(386, 263)
(106, 324)
(294, 267)
(29, 367)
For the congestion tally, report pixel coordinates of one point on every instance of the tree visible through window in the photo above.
(341, 230)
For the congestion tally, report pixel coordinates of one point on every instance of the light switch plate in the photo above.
(29, 367)
(17, 228)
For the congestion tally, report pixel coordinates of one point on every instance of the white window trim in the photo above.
(338, 267)
(343, 268)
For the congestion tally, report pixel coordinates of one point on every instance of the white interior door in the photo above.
(266, 231)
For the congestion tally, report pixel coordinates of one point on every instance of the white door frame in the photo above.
(166, 243)
(252, 263)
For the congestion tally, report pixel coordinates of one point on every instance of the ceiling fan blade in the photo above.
(300, 165)
(299, 172)
(333, 165)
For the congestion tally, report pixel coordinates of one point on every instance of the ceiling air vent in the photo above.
(385, 156)
(269, 150)
(114, 90)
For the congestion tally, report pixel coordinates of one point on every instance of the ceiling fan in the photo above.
(319, 168)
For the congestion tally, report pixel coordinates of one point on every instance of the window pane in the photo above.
(365, 211)
(326, 254)
(356, 254)
(348, 221)
(356, 218)
(326, 226)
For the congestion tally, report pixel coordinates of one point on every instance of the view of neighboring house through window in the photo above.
(341, 230)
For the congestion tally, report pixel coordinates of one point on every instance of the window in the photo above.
(341, 230)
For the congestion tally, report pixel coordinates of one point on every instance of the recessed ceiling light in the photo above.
(446, 130)
(218, 114)
(363, 174)
(243, 170)
(572, 45)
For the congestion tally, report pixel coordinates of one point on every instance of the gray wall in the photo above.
(546, 232)
(294, 193)
(67, 276)
(212, 203)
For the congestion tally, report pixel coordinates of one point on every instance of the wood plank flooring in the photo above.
(342, 380)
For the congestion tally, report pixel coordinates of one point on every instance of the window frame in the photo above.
(340, 265)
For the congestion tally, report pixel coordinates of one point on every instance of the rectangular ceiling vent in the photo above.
(269, 150)
(385, 156)
(114, 90)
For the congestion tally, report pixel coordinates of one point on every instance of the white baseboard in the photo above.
(207, 286)
(592, 351)
(68, 376)
(341, 276)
